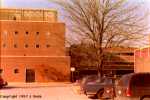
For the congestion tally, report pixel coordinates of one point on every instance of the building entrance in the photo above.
(30, 75)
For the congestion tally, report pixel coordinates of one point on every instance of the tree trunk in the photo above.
(100, 62)
(100, 68)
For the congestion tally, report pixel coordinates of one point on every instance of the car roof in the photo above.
(135, 74)
(129, 78)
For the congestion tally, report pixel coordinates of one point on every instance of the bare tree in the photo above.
(104, 23)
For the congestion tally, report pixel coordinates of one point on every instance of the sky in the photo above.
(44, 3)
(47, 4)
(26, 3)
(40, 4)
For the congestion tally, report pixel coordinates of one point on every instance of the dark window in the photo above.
(16, 32)
(27, 32)
(14, 18)
(37, 33)
(1, 70)
(128, 54)
(140, 80)
(4, 45)
(124, 81)
(46, 70)
(16, 71)
(123, 63)
(37, 45)
(15, 45)
(26, 45)
(47, 45)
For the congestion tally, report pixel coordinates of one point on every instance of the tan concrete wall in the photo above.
(28, 14)
(142, 60)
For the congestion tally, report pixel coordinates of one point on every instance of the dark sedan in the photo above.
(94, 85)
(135, 86)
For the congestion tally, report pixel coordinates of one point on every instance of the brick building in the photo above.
(32, 46)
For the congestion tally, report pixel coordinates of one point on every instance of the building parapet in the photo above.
(28, 14)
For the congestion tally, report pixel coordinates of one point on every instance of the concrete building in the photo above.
(142, 60)
(118, 60)
(32, 46)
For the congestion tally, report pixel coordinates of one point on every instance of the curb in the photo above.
(18, 84)
(76, 89)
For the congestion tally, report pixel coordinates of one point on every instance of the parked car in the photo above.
(109, 90)
(134, 86)
(86, 79)
(93, 85)
(2, 82)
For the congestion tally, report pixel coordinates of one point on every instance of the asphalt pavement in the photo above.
(41, 91)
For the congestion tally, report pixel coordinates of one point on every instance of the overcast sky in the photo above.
(26, 3)
(47, 4)
(43, 3)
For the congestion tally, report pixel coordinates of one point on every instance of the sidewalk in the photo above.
(76, 88)
(38, 84)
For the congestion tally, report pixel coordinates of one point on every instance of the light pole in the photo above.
(72, 69)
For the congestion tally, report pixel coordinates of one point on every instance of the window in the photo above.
(1, 70)
(37, 33)
(26, 45)
(37, 45)
(47, 45)
(27, 32)
(16, 32)
(14, 18)
(4, 45)
(16, 71)
(128, 54)
(46, 70)
(15, 45)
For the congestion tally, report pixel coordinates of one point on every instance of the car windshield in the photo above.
(124, 81)
(89, 78)
(108, 81)
(104, 80)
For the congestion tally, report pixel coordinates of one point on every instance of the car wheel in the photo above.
(100, 93)
(85, 93)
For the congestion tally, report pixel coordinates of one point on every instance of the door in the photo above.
(30, 75)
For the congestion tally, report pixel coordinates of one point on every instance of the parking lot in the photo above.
(45, 91)
(41, 91)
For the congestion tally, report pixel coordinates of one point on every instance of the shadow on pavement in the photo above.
(95, 98)
(92, 97)
(8, 87)
(13, 87)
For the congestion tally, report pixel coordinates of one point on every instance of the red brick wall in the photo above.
(58, 68)
(51, 58)
(55, 39)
